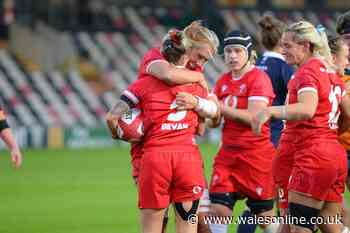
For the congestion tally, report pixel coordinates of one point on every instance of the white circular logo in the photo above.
(197, 189)
(280, 193)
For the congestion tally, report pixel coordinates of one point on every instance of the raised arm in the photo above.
(175, 75)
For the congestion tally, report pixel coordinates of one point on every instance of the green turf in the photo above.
(73, 191)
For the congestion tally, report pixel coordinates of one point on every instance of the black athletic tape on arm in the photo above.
(127, 101)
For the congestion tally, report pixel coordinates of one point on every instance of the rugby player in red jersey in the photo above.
(315, 170)
(243, 167)
(145, 88)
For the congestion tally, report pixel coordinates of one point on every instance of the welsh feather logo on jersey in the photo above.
(242, 88)
(223, 88)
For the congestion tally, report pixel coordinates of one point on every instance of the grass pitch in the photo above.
(74, 191)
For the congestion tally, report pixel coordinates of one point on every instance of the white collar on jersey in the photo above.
(273, 54)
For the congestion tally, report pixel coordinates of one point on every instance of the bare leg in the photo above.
(183, 226)
(219, 210)
(331, 210)
(202, 226)
(151, 220)
(299, 198)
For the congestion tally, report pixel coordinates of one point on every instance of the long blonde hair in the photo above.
(305, 31)
(195, 35)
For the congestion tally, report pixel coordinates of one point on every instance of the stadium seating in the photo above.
(56, 106)
(64, 97)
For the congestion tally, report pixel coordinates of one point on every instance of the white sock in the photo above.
(271, 228)
(218, 228)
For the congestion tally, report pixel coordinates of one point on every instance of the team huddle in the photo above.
(280, 115)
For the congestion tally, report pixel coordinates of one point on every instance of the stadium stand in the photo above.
(67, 97)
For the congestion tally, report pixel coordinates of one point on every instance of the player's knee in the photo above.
(186, 211)
(225, 199)
(259, 206)
(306, 213)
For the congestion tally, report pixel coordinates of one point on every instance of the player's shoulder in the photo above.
(311, 69)
(153, 53)
(314, 65)
(338, 79)
(146, 82)
(256, 74)
(193, 88)
(256, 71)
(223, 78)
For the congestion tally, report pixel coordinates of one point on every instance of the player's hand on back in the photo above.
(186, 101)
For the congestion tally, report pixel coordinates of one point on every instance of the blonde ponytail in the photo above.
(322, 48)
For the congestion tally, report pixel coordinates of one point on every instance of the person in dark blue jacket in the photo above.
(273, 63)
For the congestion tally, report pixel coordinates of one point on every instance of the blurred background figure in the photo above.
(279, 72)
(274, 64)
(7, 136)
(343, 29)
